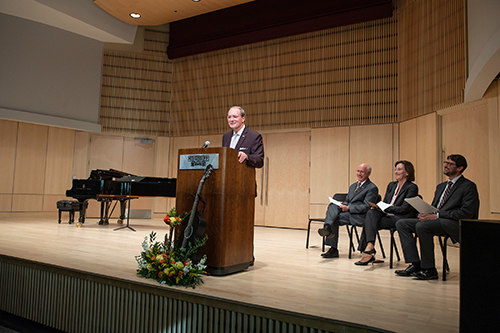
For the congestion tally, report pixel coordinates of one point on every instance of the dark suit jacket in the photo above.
(358, 201)
(250, 143)
(401, 208)
(462, 203)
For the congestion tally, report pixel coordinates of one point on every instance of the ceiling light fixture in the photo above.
(135, 15)
(196, 0)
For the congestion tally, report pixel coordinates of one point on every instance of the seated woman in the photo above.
(398, 208)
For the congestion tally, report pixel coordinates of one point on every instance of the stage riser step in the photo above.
(73, 304)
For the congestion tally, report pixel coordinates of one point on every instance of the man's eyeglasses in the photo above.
(449, 163)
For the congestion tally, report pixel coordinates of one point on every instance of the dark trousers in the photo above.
(409, 229)
(374, 221)
(335, 217)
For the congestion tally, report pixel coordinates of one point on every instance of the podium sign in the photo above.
(229, 196)
(198, 161)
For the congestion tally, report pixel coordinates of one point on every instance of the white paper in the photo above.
(421, 205)
(335, 202)
(382, 205)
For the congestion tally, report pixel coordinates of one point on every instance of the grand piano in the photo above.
(111, 185)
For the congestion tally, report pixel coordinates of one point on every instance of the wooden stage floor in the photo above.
(285, 276)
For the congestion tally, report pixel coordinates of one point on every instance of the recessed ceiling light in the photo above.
(135, 15)
(196, 0)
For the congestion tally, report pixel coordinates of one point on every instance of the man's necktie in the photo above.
(357, 187)
(234, 141)
(446, 193)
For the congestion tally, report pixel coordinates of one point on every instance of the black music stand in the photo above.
(128, 180)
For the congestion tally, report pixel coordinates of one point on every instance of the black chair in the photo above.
(394, 247)
(336, 196)
(351, 229)
(443, 241)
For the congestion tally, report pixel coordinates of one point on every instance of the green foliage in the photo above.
(169, 264)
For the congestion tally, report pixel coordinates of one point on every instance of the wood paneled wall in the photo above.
(136, 88)
(337, 152)
(419, 145)
(431, 55)
(384, 71)
(335, 77)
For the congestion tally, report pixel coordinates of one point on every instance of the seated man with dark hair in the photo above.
(455, 199)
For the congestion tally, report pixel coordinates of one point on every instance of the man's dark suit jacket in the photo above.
(462, 203)
(250, 143)
(358, 201)
(401, 208)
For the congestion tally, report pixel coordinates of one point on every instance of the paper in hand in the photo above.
(421, 206)
(380, 205)
(335, 202)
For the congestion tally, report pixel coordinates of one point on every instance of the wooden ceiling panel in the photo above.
(157, 12)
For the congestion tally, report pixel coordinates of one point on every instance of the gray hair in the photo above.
(242, 112)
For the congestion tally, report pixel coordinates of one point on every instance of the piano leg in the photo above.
(123, 208)
(82, 207)
(105, 212)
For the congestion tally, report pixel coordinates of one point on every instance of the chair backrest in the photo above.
(340, 196)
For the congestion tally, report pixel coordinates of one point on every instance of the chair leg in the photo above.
(392, 250)
(381, 245)
(308, 232)
(349, 232)
(444, 251)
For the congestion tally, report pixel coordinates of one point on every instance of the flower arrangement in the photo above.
(167, 262)
(172, 220)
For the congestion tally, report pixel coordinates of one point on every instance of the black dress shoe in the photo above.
(427, 274)
(408, 271)
(332, 253)
(325, 231)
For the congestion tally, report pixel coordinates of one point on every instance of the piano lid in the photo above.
(100, 174)
(130, 179)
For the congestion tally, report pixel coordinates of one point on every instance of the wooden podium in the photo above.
(229, 195)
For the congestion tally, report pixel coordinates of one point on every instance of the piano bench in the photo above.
(68, 206)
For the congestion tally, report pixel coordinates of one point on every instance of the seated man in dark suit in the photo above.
(455, 199)
(351, 211)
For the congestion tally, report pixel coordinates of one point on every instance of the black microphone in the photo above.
(207, 143)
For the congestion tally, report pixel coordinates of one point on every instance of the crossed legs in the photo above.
(334, 218)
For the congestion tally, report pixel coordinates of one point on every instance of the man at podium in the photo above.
(247, 142)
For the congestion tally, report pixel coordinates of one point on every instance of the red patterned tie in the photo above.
(446, 193)
(357, 187)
